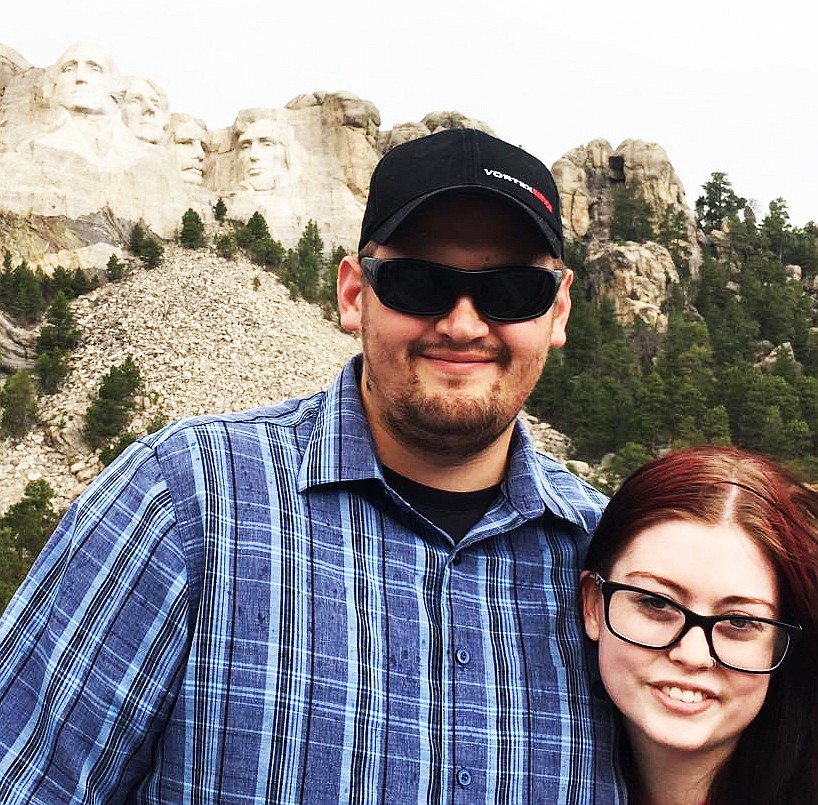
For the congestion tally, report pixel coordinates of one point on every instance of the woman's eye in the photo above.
(652, 603)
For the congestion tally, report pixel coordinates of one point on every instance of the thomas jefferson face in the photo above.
(188, 140)
(145, 110)
(86, 81)
(261, 156)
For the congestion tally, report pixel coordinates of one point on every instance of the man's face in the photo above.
(261, 156)
(189, 150)
(452, 385)
(144, 111)
(86, 80)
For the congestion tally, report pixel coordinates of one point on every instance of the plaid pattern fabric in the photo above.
(239, 610)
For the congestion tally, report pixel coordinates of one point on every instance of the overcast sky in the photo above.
(722, 85)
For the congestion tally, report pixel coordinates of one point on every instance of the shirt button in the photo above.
(457, 559)
(464, 777)
(462, 656)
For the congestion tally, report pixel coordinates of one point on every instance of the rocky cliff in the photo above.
(634, 275)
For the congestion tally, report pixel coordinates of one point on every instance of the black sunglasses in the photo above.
(503, 294)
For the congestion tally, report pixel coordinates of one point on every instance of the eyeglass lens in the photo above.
(654, 622)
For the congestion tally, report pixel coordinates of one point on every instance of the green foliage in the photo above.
(671, 232)
(306, 270)
(226, 245)
(55, 341)
(51, 368)
(254, 230)
(109, 410)
(115, 269)
(17, 397)
(267, 252)
(718, 204)
(220, 210)
(60, 332)
(21, 291)
(146, 246)
(304, 265)
(33, 518)
(627, 459)
(24, 530)
(626, 390)
(631, 216)
(13, 567)
(192, 234)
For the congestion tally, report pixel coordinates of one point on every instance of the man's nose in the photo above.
(463, 322)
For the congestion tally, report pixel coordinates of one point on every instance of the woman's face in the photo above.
(675, 699)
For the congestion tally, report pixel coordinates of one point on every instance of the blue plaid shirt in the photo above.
(239, 610)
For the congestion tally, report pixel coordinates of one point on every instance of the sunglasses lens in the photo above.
(517, 293)
(415, 287)
(507, 294)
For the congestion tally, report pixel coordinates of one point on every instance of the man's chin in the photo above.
(456, 425)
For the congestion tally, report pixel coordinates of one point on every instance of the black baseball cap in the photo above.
(459, 159)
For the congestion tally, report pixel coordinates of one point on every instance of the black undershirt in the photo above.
(453, 512)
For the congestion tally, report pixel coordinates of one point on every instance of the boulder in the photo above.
(636, 277)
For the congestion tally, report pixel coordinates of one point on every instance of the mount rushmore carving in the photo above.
(78, 137)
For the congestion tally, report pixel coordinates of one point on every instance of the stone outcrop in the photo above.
(636, 276)
(17, 345)
(587, 177)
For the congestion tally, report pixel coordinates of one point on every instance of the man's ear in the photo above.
(561, 309)
(350, 293)
(591, 606)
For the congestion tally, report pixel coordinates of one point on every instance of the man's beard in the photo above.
(450, 426)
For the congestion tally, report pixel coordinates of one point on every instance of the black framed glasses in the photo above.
(650, 620)
(503, 294)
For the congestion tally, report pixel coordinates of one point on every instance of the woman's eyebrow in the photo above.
(681, 591)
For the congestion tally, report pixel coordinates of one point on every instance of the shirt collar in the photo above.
(341, 447)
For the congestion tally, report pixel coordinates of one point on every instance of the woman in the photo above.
(701, 592)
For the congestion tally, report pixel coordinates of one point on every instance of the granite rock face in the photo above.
(587, 178)
(636, 276)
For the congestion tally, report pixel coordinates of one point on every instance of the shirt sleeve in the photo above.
(93, 645)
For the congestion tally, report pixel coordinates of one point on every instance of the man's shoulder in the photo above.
(293, 418)
(577, 499)
(559, 473)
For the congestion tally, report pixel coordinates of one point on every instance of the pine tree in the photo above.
(192, 234)
(718, 204)
(19, 404)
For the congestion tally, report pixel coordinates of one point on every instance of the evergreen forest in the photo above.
(628, 393)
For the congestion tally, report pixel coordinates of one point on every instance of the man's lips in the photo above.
(459, 357)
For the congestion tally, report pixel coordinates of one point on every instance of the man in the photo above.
(86, 117)
(87, 81)
(365, 596)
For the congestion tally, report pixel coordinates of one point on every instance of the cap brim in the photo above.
(386, 230)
